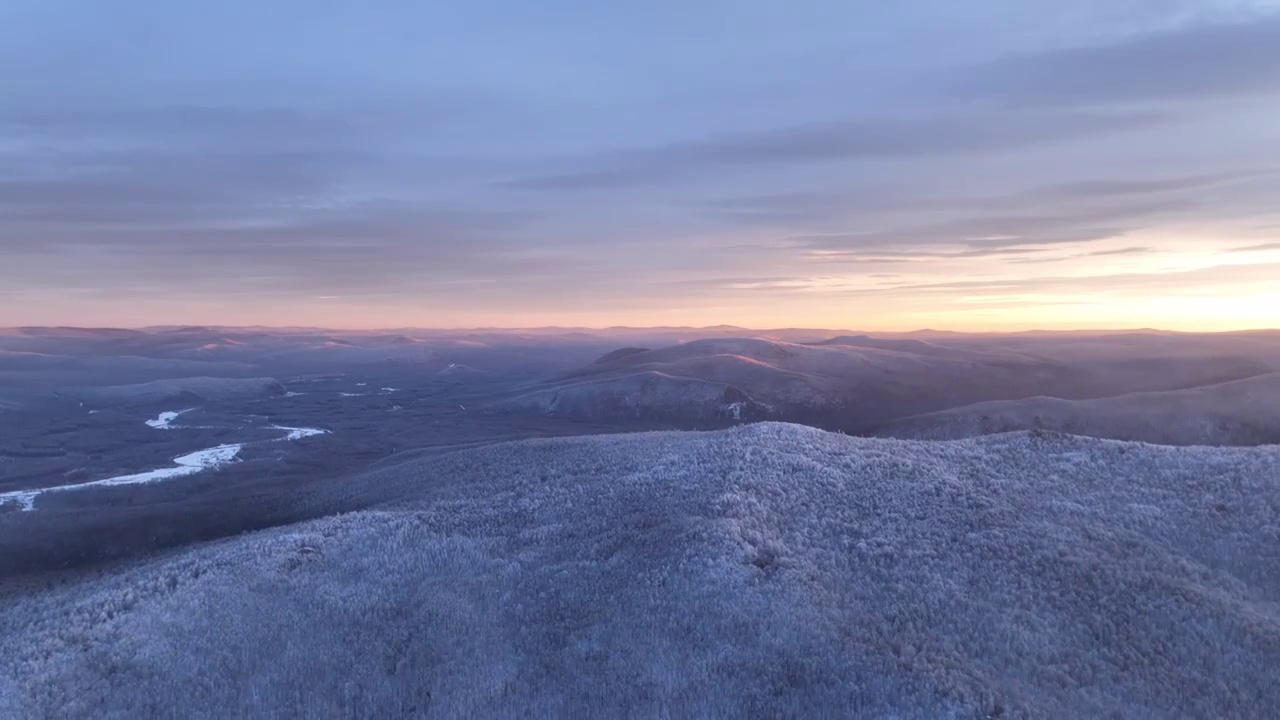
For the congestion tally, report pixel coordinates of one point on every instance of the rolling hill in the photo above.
(1244, 412)
(769, 570)
(197, 388)
(844, 385)
(642, 394)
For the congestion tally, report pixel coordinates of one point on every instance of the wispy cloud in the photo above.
(1110, 283)
(1113, 252)
(866, 139)
(1187, 63)
(1119, 251)
(1256, 248)
(998, 233)
(618, 157)
(1096, 189)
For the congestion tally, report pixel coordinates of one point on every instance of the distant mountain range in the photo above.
(856, 383)
(684, 377)
(1244, 412)
(194, 388)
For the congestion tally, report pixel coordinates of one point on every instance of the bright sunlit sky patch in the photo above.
(992, 164)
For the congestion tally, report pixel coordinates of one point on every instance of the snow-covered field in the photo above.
(766, 571)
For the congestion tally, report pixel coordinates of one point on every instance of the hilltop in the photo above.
(769, 570)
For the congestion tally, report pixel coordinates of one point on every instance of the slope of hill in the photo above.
(457, 372)
(770, 570)
(849, 386)
(21, 368)
(642, 394)
(1244, 412)
(203, 388)
(911, 345)
(708, 378)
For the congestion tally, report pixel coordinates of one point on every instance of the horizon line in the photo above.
(585, 328)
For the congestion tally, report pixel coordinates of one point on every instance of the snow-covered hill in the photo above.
(766, 571)
(205, 388)
(850, 386)
(1244, 412)
(456, 372)
(641, 394)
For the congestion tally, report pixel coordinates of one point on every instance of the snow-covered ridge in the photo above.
(857, 384)
(206, 388)
(1242, 412)
(768, 571)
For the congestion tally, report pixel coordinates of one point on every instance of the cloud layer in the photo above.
(582, 164)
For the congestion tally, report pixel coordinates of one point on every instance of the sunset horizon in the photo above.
(658, 359)
(900, 330)
(1002, 166)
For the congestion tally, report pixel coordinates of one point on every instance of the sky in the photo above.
(972, 165)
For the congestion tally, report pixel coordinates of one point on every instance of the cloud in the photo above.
(456, 163)
(796, 207)
(998, 233)
(374, 247)
(261, 126)
(1137, 250)
(1119, 251)
(860, 201)
(172, 188)
(1064, 288)
(1092, 189)
(1118, 283)
(1190, 62)
(859, 139)
(137, 160)
(1256, 248)
(856, 256)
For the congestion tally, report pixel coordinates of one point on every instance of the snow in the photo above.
(297, 433)
(1241, 412)
(735, 410)
(25, 499)
(165, 420)
(184, 465)
(765, 571)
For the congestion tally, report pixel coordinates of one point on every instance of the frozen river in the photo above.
(182, 466)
